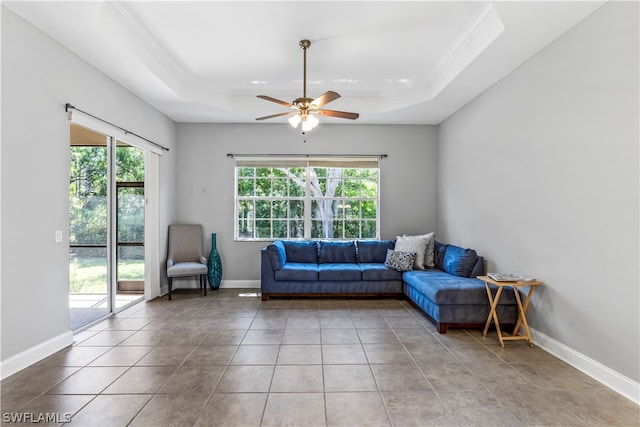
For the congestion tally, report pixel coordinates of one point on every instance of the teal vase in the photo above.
(214, 265)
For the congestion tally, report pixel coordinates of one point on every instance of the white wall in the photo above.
(38, 77)
(540, 175)
(408, 177)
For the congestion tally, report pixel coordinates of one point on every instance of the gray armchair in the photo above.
(185, 255)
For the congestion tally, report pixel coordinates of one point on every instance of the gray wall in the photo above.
(540, 175)
(38, 77)
(408, 177)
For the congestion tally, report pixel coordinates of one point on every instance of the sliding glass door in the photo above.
(106, 226)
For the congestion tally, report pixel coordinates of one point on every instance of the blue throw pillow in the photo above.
(459, 261)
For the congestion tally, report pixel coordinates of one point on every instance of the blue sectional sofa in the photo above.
(448, 294)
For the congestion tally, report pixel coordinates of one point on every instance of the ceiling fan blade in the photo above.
(277, 101)
(273, 116)
(339, 114)
(325, 98)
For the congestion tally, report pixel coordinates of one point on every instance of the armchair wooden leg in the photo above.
(170, 286)
(204, 284)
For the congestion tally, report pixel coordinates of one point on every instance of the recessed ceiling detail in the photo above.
(411, 63)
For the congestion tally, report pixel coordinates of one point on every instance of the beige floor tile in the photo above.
(378, 322)
(417, 336)
(233, 410)
(268, 323)
(110, 410)
(339, 336)
(402, 377)
(348, 378)
(266, 354)
(301, 336)
(356, 409)
(294, 409)
(107, 338)
(534, 407)
(416, 409)
(450, 376)
(337, 322)
(245, 379)
(166, 356)
(341, 354)
(36, 379)
(74, 356)
(297, 378)
(387, 353)
(151, 338)
(62, 405)
(554, 375)
(224, 337)
(122, 356)
(472, 408)
(598, 406)
(168, 410)
(183, 337)
(200, 380)
(263, 336)
(300, 354)
(89, 380)
(141, 380)
(303, 323)
(209, 355)
(378, 336)
(430, 353)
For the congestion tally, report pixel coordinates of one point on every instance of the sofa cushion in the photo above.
(339, 271)
(399, 260)
(415, 244)
(301, 251)
(438, 254)
(459, 261)
(373, 250)
(277, 254)
(336, 252)
(297, 271)
(377, 271)
(444, 288)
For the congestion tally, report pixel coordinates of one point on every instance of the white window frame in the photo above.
(307, 162)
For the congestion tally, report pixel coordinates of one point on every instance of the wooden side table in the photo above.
(522, 308)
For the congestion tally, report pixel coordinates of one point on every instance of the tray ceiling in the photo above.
(411, 62)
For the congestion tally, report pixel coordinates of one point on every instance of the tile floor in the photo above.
(225, 360)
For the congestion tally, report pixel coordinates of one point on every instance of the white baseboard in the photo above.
(35, 354)
(235, 284)
(226, 284)
(596, 370)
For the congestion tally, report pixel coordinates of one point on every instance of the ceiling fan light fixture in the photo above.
(294, 121)
(310, 123)
(305, 106)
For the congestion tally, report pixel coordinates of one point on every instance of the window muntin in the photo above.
(293, 199)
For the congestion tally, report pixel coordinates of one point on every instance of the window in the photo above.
(296, 198)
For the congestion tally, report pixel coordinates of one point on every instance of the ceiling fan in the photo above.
(303, 109)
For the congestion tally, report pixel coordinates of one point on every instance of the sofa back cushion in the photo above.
(336, 252)
(301, 251)
(373, 251)
(438, 254)
(277, 254)
(459, 261)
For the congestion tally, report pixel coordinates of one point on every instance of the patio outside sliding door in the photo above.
(106, 226)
